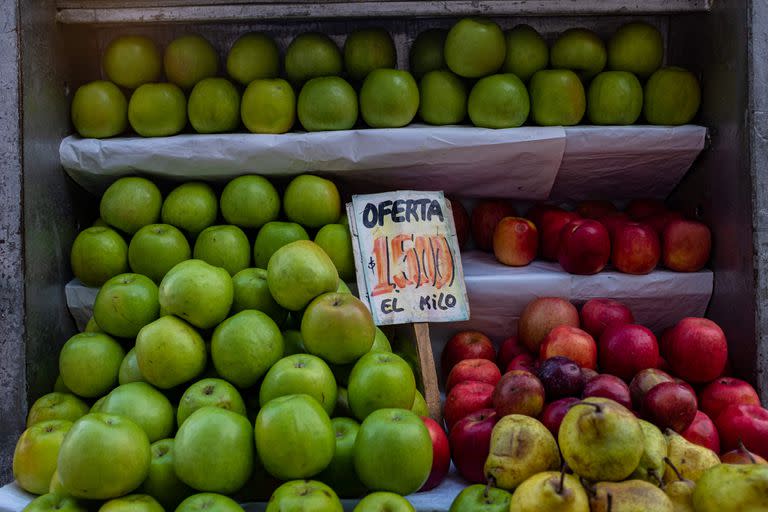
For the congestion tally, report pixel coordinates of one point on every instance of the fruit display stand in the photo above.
(723, 187)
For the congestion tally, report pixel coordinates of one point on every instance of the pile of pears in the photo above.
(608, 460)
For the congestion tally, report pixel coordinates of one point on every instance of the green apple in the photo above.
(579, 50)
(132, 503)
(368, 49)
(103, 456)
(157, 110)
(170, 352)
(96, 407)
(89, 363)
(481, 498)
(298, 272)
(342, 404)
(214, 106)
(614, 98)
(312, 201)
(475, 47)
(272, 236)
(189, 59)
(224, 246)
(54, 502)
(214, 450)
(380, 342)
(130, 61)
(393, 451)
(209, 392)
(327, 103)
(198, 292)
(157, 248)
(427, 52)
(300, 374)
(343, 287)
(254, 55)
(419, 407)
(36, 453)
(268, 106)
(636, 47)
(383, 501)
(672, 97)
(99, 223)
(131, 203)
(557, 98)
(209, 502)
(146, 406)
(443, 98)
(125, 304)
(336, 241)
(129, 369)
(92, 326)
(55, 486)
(250, 202)
(337, 327)
(56, 406)
(389, 98)
(527, 52)
(340, 473)
(304, 496)
(162, 482)
(292, 343)
(251, 291)
(499, 101)
(289, 448)
(191, 207)
(245, 346)
(59, 385)
(311, 55)
(98, 254)
(99, 110)
(380, 380)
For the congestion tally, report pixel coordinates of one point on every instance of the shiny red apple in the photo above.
(686, 245)
(515, 241)
(541, 316)
(696, 349)
(627, 349)
(570, 342)
(597, 314)
(441, 454)
(585, 247)
(466, 398)
(470, 442)
(554, 412)
(478, 370)
(748, 423)
(702, 431)
(669, 405)
(466, 345)
(608, 386)
(551, 223)
(510, 348)
(725, 391)
(644, 381)
(635, 248)
(518, 392)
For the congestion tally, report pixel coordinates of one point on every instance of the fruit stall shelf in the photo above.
(580, 162)
(143, 11)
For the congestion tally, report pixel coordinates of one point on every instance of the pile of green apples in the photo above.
(473, 72)
(202, 380)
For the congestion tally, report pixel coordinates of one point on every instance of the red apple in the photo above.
(554, 412)
(441, 454)
(518, 392)
(535, 212)
(659, 221)
(509, 349)
(572, 343)
(669, 405)
(725, 391)
(595, 208)
(702, 431)
(460, 221)
(589, 374)
(608, 386)
(551, 224)
(523, 362)
(478, 370)
(635, 248)
(541, 316)
(748, 423)
(741, 456)
(614, 220)
(686, 245)
(696, 349)
(597, 314)
(585, 247)
(515, 241)
(642, 208)
(486, 214)
(561, 377)
(466, 345)
(644, 381)
(686, 385)
(466, 398)
(627, 349)
(470, 441)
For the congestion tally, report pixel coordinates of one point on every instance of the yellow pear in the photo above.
(651, 467)
(691, 460)
(680, 491)
(629, 496)
(732, 488)
(550, 491)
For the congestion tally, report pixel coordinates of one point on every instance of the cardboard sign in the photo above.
(407, 257)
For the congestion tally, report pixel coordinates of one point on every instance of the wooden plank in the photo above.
(428, 371)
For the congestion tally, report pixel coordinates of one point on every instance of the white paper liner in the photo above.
(579, 162)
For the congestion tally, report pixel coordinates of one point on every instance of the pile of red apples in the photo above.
(561, 355)
(586, 239)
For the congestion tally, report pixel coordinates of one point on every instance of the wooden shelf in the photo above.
(191, 11)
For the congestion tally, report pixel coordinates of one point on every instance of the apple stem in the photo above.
(749, 454)
(597, 407)
(677, 472)
(610, 502)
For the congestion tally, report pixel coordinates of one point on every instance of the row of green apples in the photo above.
(251, 405)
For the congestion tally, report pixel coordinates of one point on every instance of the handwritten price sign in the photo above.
(407, 257)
